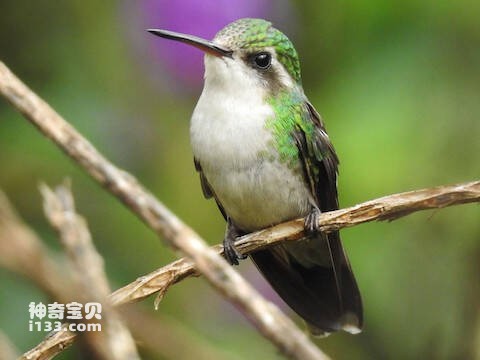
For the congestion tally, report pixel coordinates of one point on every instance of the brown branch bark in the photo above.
(7, 349)
(114, 341)
(386, 208)
(22, 252)
(268, 319)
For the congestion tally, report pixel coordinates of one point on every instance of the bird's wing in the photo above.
(206, 188)
(335, 286)
(319, 160)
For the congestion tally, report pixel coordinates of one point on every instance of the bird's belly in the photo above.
(261, 194)
(238, 157)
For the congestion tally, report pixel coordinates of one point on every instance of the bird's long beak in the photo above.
(202, 44)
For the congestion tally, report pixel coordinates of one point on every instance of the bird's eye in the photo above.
(262, 60)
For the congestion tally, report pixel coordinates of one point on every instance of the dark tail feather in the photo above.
(325, 296)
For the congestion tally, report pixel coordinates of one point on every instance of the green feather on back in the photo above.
(291, 114)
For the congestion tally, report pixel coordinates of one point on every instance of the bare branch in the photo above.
(51, 346)
(268, 319)
(179, 342)
(22, 252)
(115, 340)
(386, 208)
(7, 349)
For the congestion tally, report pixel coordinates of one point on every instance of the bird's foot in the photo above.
(230, 252)
(312, 225)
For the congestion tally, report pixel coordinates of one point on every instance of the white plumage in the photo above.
(237, 152)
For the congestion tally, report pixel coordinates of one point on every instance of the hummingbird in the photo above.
(263, 154)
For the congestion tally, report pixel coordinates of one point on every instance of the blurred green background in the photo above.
(398, 87)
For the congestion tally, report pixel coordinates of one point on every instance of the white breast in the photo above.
(228, 134)
(228, 121)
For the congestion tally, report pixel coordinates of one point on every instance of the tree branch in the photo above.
(22, 252)
(125, 187)
(268, 319)
(386, 208)
(115, 340)
(7, 349)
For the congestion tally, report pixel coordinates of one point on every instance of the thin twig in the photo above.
(179, 342)
(386, 208)
(7, 349)
(115, 340)
(22, 252)
(51, 345)
(268, 319)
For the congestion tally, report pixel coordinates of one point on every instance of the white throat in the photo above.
(227, 127)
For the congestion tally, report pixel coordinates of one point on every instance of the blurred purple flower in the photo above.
(202, 18)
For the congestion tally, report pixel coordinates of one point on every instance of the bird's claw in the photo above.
(312, 221)
(230, 252)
